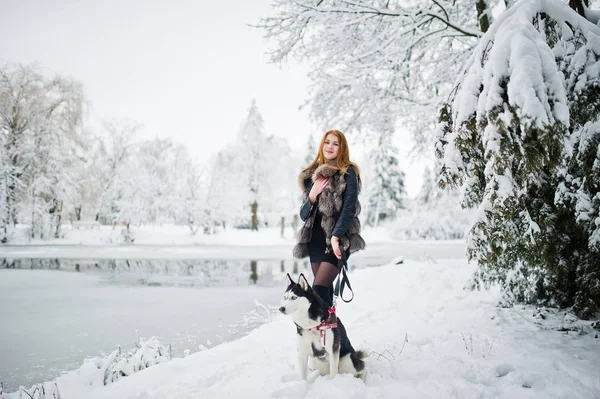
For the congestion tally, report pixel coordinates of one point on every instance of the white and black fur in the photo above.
(308, 310)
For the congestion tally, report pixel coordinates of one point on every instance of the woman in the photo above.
(330, 186)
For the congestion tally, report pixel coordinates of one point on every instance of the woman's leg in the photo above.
(326, 273)
(323, 283)
(315, 267)
(317, 288)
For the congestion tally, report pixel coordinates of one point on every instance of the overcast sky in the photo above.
(181, 68)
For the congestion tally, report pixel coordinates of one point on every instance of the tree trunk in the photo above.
(4, 221)
(254, 208)
(482, 15)
(377, 209)
(33, 219)
(579, 6)
(58, 206)
(282, 226)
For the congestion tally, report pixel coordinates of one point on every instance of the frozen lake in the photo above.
(60, 304)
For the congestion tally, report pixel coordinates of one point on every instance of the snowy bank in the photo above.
(174, 242)
(458, 345)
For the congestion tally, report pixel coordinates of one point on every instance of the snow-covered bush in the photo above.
(101, 370)
(520, 134)
(147, 353)
(45, 390)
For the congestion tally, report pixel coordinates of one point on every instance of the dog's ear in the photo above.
(289, 280)
(303, 282)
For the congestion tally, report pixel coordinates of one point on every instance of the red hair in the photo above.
(342, 160)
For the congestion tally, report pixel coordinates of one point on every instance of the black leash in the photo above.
(342, 280)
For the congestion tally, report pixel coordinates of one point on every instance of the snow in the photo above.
(52, 320)
(441, 219)
(520, 58)
(516, 70)
(513, 51)
(176, 242)
(105, 307)
(164, 234)
(454, 343)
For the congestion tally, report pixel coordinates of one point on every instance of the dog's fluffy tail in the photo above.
(357, 360)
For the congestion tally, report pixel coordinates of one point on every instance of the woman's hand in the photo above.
(316, 189)
(335, 244)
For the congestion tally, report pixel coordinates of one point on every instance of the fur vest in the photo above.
(330, 203)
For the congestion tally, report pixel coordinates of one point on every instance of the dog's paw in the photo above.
(314, 374)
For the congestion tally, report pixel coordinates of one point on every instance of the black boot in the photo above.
(331, 294)
(323, 292)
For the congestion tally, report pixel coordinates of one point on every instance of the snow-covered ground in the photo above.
(53, 320)
(175, 242)
(428, 338)
(90, 234)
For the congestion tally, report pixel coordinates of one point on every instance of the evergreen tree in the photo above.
(520, 133)
(387, 190)
(253, 139)
(428, 191)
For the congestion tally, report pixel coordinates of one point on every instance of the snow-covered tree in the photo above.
(281, 181)
(253, 139)
(191, 194)
(429, 190)
(156, 156)
(377, 60)
(520, 134)
(257, 170)
(227, 190)
(311, 150)
(40, 127)
(115, 168)
(386, 189)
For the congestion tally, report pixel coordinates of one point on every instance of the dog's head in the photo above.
(297, 296)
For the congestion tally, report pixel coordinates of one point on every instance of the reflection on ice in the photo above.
(183, 273)
(56, 312)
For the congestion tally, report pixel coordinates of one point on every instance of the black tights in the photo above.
(324, 273)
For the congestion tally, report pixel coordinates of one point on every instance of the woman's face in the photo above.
(331, 148)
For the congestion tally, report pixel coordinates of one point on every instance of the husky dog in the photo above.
(321, 337)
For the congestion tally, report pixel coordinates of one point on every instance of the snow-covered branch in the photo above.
(375, 60)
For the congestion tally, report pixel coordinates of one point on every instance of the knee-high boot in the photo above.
(323, 292)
